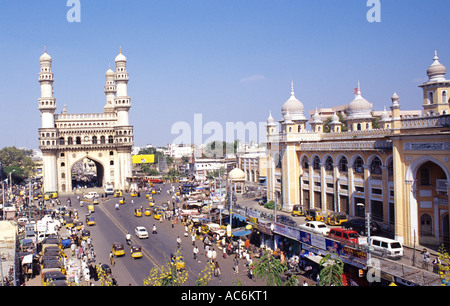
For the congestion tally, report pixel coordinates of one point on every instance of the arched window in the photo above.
(358, 165)
(343, 164)
(305, 163)
(391, 168)
(110, 139)
(375, 166)
(329, 164)
(94, 139)
(78, 140)
(70, 141)
(61, 141)
(316, 163)
(102, 140)
(425, 176)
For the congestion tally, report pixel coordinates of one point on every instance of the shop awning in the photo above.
(242, 233)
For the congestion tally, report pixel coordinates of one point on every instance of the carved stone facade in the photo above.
(104, 138)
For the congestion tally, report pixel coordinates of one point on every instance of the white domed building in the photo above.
(359, 113)
(237, 179)
(294, 110)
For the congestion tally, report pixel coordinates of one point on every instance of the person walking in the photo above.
(179, 242)
(111, 259)
(193, 238)
(217, 270)
(195, 251)
(236, 264)
(154, 230)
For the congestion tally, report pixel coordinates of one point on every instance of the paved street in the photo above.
(112, 226)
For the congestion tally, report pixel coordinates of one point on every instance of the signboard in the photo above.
(143, 159)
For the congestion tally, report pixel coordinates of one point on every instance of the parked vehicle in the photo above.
(344, 235)
(359, 225)
(314, 214)
(286, 220)
(298, 210)
(336, 218)
(386, 247)
(316, 227)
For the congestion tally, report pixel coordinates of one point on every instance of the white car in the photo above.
(141, 232)
(316, 227)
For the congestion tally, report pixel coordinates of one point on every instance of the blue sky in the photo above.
(229, 60)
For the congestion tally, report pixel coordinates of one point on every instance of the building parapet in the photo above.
(347, 146)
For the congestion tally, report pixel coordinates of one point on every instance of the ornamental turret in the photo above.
(47, 103)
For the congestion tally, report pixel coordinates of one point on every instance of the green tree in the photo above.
(17, 162)
(270, 267)
(331, 272)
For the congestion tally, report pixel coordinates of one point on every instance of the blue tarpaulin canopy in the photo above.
(242, 233)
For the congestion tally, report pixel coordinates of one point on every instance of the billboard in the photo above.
(143, 159)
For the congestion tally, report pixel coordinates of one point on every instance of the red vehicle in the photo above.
(156, 181)
(345, 235)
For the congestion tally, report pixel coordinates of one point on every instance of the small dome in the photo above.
(294, 107)
(316, 117)
(110, 72)
(45, 57)
(359, 107)
(335, 119)
(270, 119)
(121, 57)
(437, 71)
(237, 175)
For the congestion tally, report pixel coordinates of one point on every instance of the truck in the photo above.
(109, 190)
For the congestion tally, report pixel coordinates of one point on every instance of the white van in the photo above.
(91, 195)
(386, 247)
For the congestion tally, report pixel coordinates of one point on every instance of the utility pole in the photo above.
(369, 257)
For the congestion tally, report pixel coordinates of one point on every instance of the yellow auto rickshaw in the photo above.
(336, 218)
(90, 220)
(69, 222)
(147, 211)
(298, 210)
(157, 214)
(134, 193)
(91, 208)
(117, 194)
(136, 251)
(138, 212)
(117, 249)
(85, 234)
(314, 214)
(122, 201)
(79, 225)
(95, 201)
(178, 260)
(151, 204)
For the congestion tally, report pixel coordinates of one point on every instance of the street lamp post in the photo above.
(10, 181)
